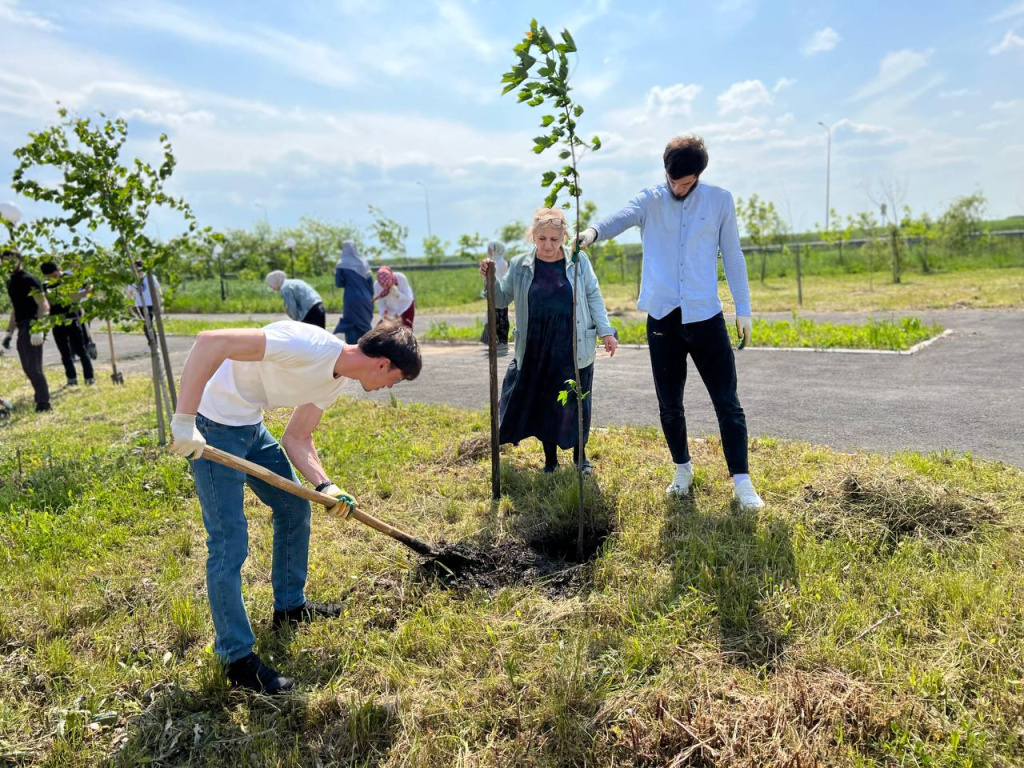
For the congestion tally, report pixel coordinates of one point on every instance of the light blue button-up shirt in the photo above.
(681, 240)
(299, 297)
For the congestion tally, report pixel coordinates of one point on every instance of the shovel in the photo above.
(116, 376)
(261, 473)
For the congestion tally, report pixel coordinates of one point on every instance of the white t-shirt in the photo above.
(298, 368)
(141, 292)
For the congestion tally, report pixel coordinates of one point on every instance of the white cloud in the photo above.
(994, 125)
(11, 13)
(595, 86)
(823, 40)
(308, 59)
(1010, 40)
(783, 82)
(1015, 9)
(463, 30)
(954, 94)
(743, 96)
(1007, 104)
(957, 113)
(893, 70)
(860, 127)
(169, 119)
(674, 100)
(786, 119)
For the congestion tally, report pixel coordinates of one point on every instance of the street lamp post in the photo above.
(426, 199)
(290, 245)
(10, 213)
(218, 253)
(828, 177)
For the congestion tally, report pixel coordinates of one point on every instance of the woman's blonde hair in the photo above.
(542, 218)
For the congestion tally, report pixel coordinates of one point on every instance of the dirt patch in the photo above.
(895, 506)
(468, 451)
(551, 564)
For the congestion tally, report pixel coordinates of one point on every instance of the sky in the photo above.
(321, 109)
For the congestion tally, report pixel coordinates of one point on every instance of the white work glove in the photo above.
(37, 339)
(346, 504)
(743, 328)
(586, 238)
(186, 440)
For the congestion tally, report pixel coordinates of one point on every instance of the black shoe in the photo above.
(90, 382)
(250, 672)
(549, 469)
(72, 382)
(309, 612)
(42, 408)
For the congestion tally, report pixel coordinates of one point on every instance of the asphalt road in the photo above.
(965, 392)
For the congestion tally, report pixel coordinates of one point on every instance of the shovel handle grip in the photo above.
(297, 489)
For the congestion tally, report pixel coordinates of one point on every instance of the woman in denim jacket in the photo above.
(540, 285)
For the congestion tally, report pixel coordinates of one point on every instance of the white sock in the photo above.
(737, 479)
(687, 467)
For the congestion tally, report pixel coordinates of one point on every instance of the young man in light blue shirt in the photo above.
(683, 226)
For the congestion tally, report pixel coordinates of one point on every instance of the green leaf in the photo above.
(568, 40)
(577, 110)
(595, 142)
(546, 120)
(565, 154)
(549, 179)
(563, 397)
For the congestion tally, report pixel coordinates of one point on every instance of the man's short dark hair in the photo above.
(48, 267)
(685, 156)
(10, 253)
(397, 343)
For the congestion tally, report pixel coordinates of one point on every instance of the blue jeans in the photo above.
(221, 492)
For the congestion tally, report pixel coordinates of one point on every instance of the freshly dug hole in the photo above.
(550, 563)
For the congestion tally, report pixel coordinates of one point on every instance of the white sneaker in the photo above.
(746, 495)
(680, 485)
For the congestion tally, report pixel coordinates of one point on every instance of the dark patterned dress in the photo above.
(529, 395)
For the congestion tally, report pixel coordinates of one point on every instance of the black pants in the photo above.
(32, 363)
(708, 343)
(70, 338)
(500, 327)
(316, 316)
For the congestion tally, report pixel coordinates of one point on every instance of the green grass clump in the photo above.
(871, 615)
(899, 335)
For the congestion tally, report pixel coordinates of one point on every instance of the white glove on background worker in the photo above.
(37, 339)
(346, 504)
(744, 327)
(586, 238)
(186, 439)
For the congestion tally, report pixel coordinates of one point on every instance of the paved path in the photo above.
(965, 392)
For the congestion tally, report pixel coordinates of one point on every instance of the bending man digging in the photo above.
(229, 379)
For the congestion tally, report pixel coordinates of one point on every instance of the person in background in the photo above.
(301, 301)
(394, 296)
(353, 274)
(684, 223)
(540, 283)
(496, 253)
(68, 333)
(29, 304)
(144, 299)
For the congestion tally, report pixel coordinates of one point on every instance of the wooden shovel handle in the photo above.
(272, 478)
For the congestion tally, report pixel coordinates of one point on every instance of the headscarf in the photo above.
(387, 279)
(276, 279)
(353, 260)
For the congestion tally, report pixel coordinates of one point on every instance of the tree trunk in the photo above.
(799, 280)
(158, 319)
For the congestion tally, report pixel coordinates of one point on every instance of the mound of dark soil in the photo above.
(550, 563)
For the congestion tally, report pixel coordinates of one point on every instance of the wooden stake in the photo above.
(492, 354)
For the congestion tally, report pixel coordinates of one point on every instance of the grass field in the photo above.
(871, 615)
(801, 332)
(459, 291)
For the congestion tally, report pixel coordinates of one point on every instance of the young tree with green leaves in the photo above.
(543, 81)
(764, 226)
(99, 195)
